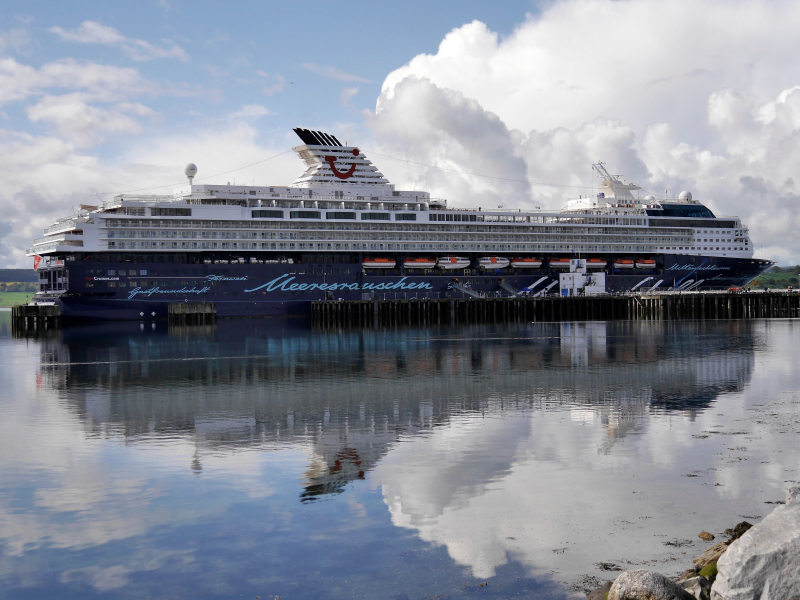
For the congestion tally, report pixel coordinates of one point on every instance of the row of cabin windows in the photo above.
(436, 217)
(387, 226)
(379, 246)
(633, 237)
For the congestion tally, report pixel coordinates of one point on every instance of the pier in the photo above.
(35, 317)
(451, 311)
(192, 313)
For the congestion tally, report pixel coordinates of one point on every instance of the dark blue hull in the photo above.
(124, 290)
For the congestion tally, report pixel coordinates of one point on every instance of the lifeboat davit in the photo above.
(526, 263)
(379, 263)
(559, 263)
(419, 263)
(623, 263)
(645, 263)
(596, 263)
(453, 262)
(494, 262)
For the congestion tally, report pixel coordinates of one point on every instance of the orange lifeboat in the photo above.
(378, 263)
(596, 263)
(623, 263)
(559, 263)
(645, 263)
(419, 263)
(494, 262)
(526, 263)
(453, 262)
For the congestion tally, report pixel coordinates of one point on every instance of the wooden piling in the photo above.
(192, 313)
(665, 307)
(34, 318)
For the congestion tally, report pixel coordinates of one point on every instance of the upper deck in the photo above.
(343, 203)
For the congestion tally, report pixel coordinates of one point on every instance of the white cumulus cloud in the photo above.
(274, 83)
(91, 32)
(74, 119)
(45, 176)
(703, 99)
(251, 111)
(102, 83)
(347, 96)
(333, 73)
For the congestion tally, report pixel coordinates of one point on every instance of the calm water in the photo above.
(258, 458)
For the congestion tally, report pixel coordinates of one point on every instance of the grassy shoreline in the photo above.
(776, 280)
(11, 298)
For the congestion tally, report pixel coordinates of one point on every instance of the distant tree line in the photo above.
(795, 270)
(18, 275)
(19, 286)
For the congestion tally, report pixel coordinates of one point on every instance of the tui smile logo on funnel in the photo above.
(331, 160)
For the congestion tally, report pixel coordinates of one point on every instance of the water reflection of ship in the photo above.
(348, 397)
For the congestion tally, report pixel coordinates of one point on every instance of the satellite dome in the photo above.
(190, 171)
(685, 195)
(649, 198)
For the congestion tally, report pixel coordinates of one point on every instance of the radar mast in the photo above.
(612, 186)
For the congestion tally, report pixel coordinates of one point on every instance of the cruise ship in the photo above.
(342, 230)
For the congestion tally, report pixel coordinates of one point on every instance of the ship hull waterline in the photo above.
(262, 290)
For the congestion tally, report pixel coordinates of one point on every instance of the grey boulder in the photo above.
(646, 585)
(699, 587)
(599, 592)
(764, 564)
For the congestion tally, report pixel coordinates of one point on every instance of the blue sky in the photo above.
(97, 98)
(295, 59)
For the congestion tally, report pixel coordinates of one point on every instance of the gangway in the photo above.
(658, 283)
(535, 284)
(508, 287)
(545, 290)
(694, 285)
(643, 281)
(471, 293)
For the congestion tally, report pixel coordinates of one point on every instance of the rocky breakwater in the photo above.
(764, 564)
(755, 563)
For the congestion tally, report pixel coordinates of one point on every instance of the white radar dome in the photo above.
(649, 198)
(685, 196)
(190, 170)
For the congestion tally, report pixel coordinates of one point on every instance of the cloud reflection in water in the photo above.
(550, 446)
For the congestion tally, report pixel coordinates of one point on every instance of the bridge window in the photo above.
(267, 214)
(373, 216)
(171, 212)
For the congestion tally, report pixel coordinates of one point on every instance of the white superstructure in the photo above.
(342, 203)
